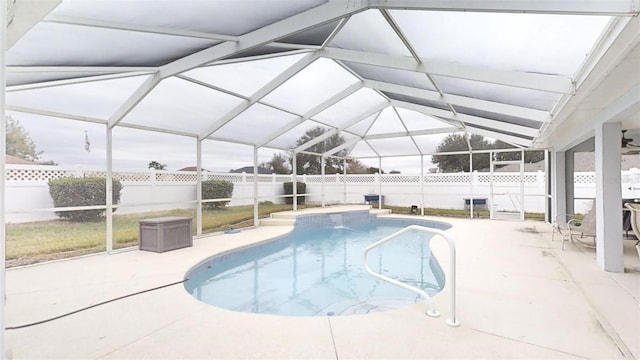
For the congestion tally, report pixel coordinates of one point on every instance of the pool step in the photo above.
(277, 222)
(288, 218)
(379, 212)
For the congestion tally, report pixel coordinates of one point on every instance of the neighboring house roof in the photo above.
(249, 170)
(583, 161)
(10, 159)
(192, 168)
(528, 167)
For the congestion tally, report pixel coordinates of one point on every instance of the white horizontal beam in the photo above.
(577, 7)
(342, 146)
(469, 119)
(212, 87)
(134, 99)
(69, 20)
(227, 140)
(309, 114)
(75, 80)
(55, 114)
(412, 133)
(158, 130)
(23, 15)
(484, 105)
(314, 17)
(390, 136)
(261, 93)
(349, 123)
(550, 83)
(500, 136)
(77, 69)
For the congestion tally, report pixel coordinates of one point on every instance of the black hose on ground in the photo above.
(91, 306)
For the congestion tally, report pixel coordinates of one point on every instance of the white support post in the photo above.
(569, 184)
(109, 189)
(344, 181)
(522, 185)
(322, 173)
(199, 186)
(471, 184)
(295, 182)
(609, 247)
(3, 127)
(256, 220)
(380, 183)
(558, 186)
(547, 187)
(421, 185)
(490, 184)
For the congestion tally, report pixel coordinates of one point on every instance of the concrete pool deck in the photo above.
(519, 296)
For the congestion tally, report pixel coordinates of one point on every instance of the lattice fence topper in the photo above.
(35, 174)
(447, 178)
(234, 178)
(311, 179)
(181, 176)
(401, 179)
(361, 179)
(584, 178)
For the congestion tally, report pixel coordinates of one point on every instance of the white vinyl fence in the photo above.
(28, 199)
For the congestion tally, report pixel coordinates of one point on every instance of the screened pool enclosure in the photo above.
(391, 78)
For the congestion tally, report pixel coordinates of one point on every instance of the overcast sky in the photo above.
(63, 141)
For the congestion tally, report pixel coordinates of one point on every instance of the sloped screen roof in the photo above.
(390, 77)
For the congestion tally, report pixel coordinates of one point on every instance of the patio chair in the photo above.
(635, 226)
(579, 231)
(561, 225)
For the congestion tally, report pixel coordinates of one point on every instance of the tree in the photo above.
(529, 156)
(356, 167)
(156, 165)
(310, 164)
(19, 143)
(457, 163)
(279, 164)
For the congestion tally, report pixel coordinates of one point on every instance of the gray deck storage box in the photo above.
(165, 233)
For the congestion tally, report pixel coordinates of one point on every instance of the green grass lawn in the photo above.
(48, 240)
(482, 214)
(34, 242)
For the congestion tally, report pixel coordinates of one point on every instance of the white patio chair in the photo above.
(635, 226)
(582, 231)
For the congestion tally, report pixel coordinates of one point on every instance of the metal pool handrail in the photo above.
(431, 311)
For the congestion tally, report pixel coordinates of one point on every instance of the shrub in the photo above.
(85, 191)
(288, 190)
(216, 189)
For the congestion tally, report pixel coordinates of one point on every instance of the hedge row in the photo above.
(216, 189)
(85, 191)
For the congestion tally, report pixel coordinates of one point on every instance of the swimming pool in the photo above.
(317, 269)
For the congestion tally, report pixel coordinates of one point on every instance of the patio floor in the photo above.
(519, 296)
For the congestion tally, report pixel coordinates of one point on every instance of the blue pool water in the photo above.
(317, 269)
